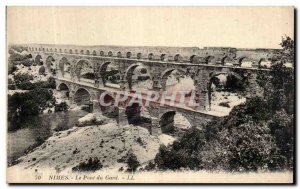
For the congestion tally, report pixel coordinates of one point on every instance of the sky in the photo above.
(240, 27)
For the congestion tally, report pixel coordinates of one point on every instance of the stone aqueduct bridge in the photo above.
(159, 67)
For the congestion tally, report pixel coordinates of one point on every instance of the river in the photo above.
(41, 126)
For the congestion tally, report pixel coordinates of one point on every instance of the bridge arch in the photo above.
(178, 58)
(165, 74)
(101, 53)
(150, 56)
(164, 57)
(84, 69)
(171, 120)
(233, 76)
(128, 55)
(110, 53)
(50, 63)
(64, 66)
(112, 75)
(64, 88)
(38, 60)
(208, 59)
(94, 53)
(119, 54)
(139, 56)
(82, 97)
(143, 75)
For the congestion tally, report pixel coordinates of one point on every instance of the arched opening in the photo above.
(70, 51)
(88, 52)
(264, 63)
(208, 59)
(94, 53)
(108, 108)
(225, 91)
(174, 80)
(110, 74)
(128, 55)
(164, 57)
(139, 56)
(151, 56)
(64, 90)
(138, 77)
(119, 54)
(65, 51)
(244, 62)
(38, 60)
(101, 53)
(50, 63)
(110, 54)
(83, 98)
(64, 66)
(194, 59)
(174, 123)
(138, 115)
(60, 50)
(76, 51)
(42, 70)
(178, 58)
(84, 71)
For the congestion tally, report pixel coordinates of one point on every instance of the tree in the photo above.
(132, 162)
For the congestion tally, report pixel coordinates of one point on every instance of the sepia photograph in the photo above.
(150, 95)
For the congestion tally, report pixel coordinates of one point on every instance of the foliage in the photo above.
(22, 78)
(185, 153)
(234, 84)
(61, 107)
(92, 164)
(27, 85)
(33, 102)
(132, 162)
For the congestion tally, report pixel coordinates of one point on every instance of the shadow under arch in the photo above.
(82, 97)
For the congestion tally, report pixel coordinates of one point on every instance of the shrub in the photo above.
(92, 164)
(132, 162)
(61, 107)
(22, 77)
(184, 153)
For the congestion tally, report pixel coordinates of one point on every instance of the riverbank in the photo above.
(108, 143)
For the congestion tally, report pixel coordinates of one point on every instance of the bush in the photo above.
(22, 78)
(61, 107)
(27, 85)
(132, 162)
(184, 153)
(33, 102)
(92, 164)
